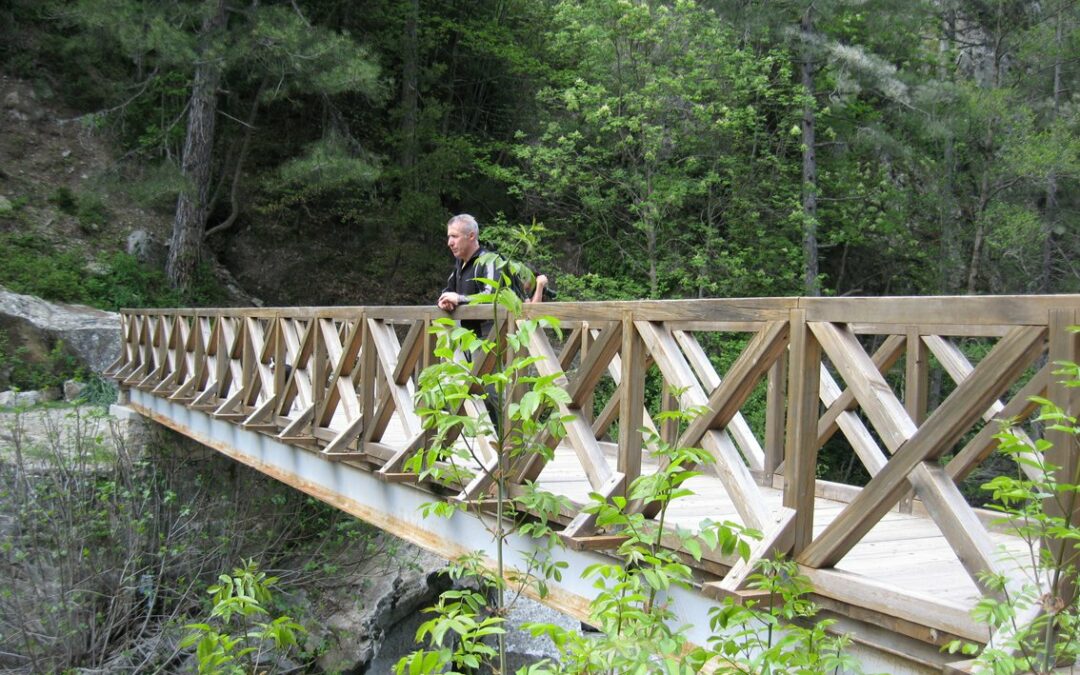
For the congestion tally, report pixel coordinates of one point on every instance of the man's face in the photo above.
(461, 241)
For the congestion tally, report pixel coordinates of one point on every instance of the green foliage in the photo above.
(240, 633)
(778, 635)
(1035, 624)
(592, 286)
(31, 265)
(127, 282)
(631, 610)
(323, 173)
(301, 57)
(457, 635)
(645, 156)
(87, 207)
(156, 186)
(98, 392)
(21, 369)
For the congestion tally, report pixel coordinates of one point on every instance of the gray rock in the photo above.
(371, 605)
(73, 389)
(92, 335)
(22, 107)
(27, 399)
(7, 399)
(51, 394)
(146, 248)
(5, 205)
(96, 268)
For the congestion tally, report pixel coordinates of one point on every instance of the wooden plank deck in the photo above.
(905, 551)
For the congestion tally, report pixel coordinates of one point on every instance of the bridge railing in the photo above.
(914, 386)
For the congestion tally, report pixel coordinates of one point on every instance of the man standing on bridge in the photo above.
(463, 238)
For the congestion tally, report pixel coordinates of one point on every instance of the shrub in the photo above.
(30, 265)
(240, 636)
(23, 371)
(33, 266)
(1035, 623)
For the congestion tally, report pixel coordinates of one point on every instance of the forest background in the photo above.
(314, 149)
(722, 148)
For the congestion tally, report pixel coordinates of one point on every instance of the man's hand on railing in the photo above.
(449, 301)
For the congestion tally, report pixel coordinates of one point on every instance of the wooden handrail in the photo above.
(352, 372)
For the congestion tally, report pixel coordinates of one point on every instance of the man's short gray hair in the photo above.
(466, 221)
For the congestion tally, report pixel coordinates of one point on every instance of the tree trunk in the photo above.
(950, 264)
(985, 186)
(975, 266)
(409, 94)
(809, 172)
(238, 169)
(1050, 212)
(193, 204)
(651, 222)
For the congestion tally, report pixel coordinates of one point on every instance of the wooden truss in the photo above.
(892, 379)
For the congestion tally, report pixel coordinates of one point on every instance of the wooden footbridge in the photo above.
(911, 388)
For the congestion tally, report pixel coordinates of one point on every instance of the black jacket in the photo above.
(463, 281)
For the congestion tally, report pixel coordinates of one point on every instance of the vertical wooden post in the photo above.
(916, 376)
(916, 390)
(669, 428)
(201, 351)
(318, 370)
(586, 344)
(222, 348)
(127, 355)
(164, 337)
(775, 404)
(279, 356)
(1065, 453)
(803, 411)
(431, 342)
(632, 401)
(179, 349)
(368, 364)
(248, 357)
(427, 358)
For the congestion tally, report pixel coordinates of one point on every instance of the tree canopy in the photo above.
(669, 149)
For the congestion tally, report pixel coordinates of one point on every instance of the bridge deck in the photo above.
(904, 550)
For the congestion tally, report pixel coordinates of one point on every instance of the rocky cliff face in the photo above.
(90, 334)
(34, 332)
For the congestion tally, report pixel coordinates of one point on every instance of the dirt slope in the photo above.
(48, 155)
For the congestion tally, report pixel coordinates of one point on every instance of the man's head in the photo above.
(463, 236)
